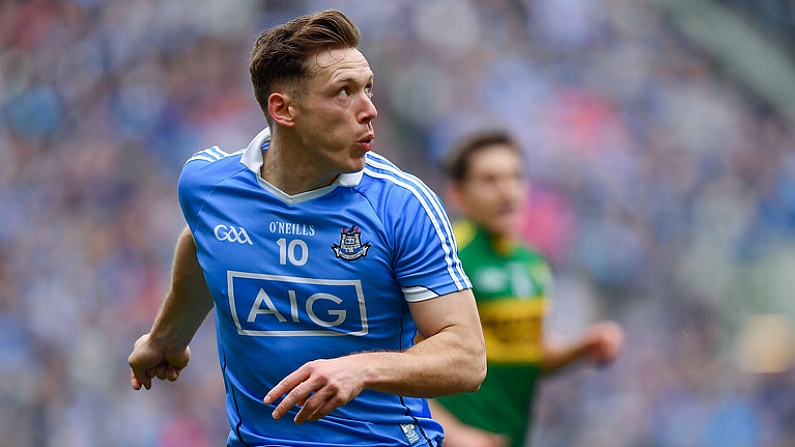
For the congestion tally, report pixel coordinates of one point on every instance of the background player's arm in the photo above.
(458, 434)
(451, 359)
(600, 343)
(164, 352)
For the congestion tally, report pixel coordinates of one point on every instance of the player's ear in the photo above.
(280, 109)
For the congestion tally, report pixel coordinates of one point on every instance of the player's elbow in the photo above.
(475, 380)
(476, 369)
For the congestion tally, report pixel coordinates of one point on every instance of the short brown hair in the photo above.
(456, 163)
(279, 57)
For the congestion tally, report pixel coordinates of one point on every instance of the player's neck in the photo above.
(501, 243)
(291, 169)
(501, 237)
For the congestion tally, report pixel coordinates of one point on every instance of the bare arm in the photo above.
(600, 344)
(164, 352)
(451, 359)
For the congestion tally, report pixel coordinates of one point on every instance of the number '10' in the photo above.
(290, 251)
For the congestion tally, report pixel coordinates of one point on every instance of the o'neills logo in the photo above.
(350, 246)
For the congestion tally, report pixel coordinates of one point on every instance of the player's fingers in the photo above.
(613, 341)
(311, 405)
(172, 373)
(300, 395)
(307, 413)
(134, 380)
(323, 410)
(161, 369)
(286, 385)
(140, 378)
(321, 403)
(613, 331)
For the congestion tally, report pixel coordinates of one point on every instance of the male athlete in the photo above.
(323, 262)
(511, 284)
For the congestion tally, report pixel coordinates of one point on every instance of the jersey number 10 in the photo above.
(290, 251)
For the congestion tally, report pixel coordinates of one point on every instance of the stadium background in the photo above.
(659, 137)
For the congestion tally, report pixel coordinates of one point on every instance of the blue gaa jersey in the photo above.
(320, 274)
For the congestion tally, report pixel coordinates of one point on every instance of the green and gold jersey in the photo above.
(511, 284)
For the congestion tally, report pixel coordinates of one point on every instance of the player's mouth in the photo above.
(506, 209)
(366, 143)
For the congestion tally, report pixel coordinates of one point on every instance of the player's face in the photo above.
(494, 189)
(335, 115)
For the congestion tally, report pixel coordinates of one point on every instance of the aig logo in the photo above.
(287, 306)
(231, 234)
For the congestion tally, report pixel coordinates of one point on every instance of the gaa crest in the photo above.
(350, 246)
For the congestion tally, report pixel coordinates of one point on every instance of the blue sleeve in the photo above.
(192, 188)
(426, 263)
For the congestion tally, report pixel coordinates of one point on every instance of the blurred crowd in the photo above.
(775, 17)
(663, 194)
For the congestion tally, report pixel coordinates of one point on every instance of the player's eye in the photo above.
(368, 91)
(344, 92)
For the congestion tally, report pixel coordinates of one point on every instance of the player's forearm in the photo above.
(452, 360)
(558, 356)
(188, 301)
(600, 343)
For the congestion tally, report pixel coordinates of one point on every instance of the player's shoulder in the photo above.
(382, 174)
(212, 160)
(207, 168)
(534, 258)
(213, 154)
(465, 232)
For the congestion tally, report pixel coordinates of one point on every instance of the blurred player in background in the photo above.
(323, 262)
(511, 284)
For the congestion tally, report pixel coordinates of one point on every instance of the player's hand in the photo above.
(147, 362)
(468, 436)
(604, 341)
(318, 387)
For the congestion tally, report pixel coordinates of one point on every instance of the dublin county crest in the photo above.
(350, 246)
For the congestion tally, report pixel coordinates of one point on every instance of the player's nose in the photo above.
(368, 111)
